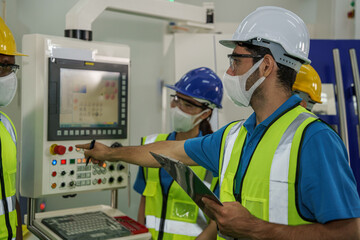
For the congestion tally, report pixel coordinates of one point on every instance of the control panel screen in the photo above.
(87, 100)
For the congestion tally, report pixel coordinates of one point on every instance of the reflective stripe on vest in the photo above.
(11, 205)
(229, 145)
(174, 227)
(278, 194)
(9, 126)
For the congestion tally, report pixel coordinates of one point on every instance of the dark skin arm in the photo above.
(19, 234)
(209, 233)
(139, 155)
(236, 221)
(141, 211)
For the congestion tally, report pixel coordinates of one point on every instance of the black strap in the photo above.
(6, 207)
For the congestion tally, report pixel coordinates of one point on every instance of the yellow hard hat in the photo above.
(308, 81)
(7, 41)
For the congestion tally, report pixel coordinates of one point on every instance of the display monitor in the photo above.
(87, 100)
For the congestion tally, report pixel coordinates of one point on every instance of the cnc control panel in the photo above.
(72, 92)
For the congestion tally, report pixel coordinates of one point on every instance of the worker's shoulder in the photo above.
(320, 129)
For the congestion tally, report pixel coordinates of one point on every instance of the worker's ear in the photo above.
(206, 114)
(267, 66)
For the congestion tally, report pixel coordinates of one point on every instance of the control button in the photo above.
(111, 167)
(42, 206)
(54, 162)
(77, 132)
(63, 161)
(58, 132)
(104, 180)
(120, 167)
(62, 184)
(94, 182)
(99, 180)
(70, 148)
(120, 179)
(72, 172)
(111, 180)
(53, 174)
(63, 173)
(72, 161)
(71, 184)
(66, 132)
(53, 185)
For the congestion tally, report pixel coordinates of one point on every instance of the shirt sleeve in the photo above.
(205, 151)
(139, 185)
(327, 186)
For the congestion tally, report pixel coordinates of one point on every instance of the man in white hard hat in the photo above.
(283, 174)
(10, 218)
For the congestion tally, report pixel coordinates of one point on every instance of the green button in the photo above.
(72, 161)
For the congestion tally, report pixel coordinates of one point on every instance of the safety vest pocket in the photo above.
(256, 206)
(184, 211)
(12, 180)
(150, 189)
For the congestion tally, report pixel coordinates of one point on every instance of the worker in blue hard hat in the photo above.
(166, 210)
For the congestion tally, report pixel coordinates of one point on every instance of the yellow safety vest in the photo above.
(175, 215)
(8, 216)
(268, 185)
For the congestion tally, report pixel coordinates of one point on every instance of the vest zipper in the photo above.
(6, 207)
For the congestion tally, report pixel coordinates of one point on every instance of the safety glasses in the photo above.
(234, 61)
(6, 69)
(185, 104)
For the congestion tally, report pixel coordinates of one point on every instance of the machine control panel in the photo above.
(67, 171)
(73, 92)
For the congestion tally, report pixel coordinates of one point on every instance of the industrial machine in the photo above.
(72, 92)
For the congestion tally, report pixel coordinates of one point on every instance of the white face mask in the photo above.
(183, 122)
(235, 86)
(8, 86)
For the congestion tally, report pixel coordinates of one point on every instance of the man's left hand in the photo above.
(232, 218)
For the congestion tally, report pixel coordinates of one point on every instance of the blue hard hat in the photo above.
(201, 83)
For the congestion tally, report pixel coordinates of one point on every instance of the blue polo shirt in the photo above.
(165, 178)
(326, 184)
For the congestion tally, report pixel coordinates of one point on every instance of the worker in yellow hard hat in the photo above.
(308, 86)
(10, 218)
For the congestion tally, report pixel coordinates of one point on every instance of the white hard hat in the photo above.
(278, 29)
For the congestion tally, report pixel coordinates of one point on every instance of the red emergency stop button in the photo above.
(57, 149)
(53, 173)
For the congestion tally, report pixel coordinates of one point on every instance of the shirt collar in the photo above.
(173, 135)
(250, 123)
